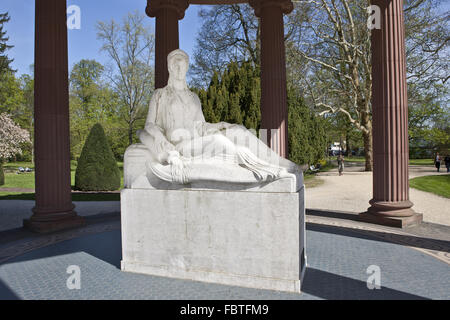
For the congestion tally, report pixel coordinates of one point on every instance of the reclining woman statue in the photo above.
(185, 148)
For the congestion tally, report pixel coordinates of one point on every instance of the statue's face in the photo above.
(178, 67)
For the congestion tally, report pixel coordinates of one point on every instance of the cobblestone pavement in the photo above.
(338, 258)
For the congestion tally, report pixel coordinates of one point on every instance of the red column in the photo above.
(54, 209)
(274, 113)
(390, 204)
(167, 13)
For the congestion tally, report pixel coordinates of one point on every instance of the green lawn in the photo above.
(439, 184)
(417, 162)
(421, 162)
(26, 181)
(353, 159)
(22, 181)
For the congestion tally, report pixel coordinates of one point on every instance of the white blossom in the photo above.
(12, 137)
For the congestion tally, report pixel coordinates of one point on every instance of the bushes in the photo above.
(97, 168)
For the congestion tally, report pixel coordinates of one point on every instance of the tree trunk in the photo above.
(130, 135)
(347, 144)
(368, 150)
(2, 174)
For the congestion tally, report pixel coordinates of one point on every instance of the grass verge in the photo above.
(439, 185)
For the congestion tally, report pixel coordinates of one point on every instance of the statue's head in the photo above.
(178, 64)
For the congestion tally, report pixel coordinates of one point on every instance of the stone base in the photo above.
(55, 225)
(397, 222)
(212, 277)
(249, 239)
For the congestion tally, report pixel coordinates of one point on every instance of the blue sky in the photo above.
(83, 43)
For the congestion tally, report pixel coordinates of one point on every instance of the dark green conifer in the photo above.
(97, 168)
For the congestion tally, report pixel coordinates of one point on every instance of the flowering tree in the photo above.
(11, 137)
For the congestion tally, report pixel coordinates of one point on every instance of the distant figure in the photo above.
(340, 161)
(447, 162)
(437, 162)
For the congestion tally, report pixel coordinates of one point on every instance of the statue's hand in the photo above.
(212, 128)
(174, 158)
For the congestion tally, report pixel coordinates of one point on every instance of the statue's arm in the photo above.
(153, 135)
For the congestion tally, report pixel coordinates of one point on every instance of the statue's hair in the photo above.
(177, 52)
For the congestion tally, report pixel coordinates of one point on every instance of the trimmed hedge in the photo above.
(97, 168)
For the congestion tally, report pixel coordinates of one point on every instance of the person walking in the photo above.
(447, 163)
(437, 162)
(340, 161)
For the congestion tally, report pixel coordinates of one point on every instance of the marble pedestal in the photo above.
(244, 238)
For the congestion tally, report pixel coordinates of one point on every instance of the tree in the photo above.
(27, 110)
(228, 33)
(234, 96)
(335, 41)
(130, 47)
(97, 168)
(91, 102)
(427, 44)
(4, 60)
(12, 138)
(329, 58)
(16, 99)
(306, 131)
(11, 96)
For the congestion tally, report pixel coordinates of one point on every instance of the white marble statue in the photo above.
(184, 148)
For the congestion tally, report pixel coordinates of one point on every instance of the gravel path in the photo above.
(352, 192)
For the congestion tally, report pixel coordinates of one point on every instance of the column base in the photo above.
(70, 222)
(391, 221)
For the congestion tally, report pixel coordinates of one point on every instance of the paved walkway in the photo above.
(414, 263)
(352, 192)
(12, 212)
(338, 258)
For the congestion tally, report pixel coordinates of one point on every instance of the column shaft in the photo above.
(54, 209)
(167, 13)
(274, 113)
(167, 40)
(390, 201)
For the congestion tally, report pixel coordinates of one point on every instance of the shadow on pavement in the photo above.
(6, 293)
(105, 246)
(332, 214)
(417, 242)
(330, 286)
